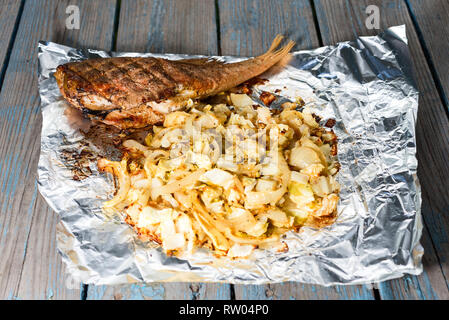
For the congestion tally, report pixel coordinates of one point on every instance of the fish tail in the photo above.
(276, 42)
(233, 74)
(277, 55)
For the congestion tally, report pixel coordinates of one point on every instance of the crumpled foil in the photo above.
(366, 85)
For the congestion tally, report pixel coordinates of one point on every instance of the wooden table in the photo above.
(31, 268)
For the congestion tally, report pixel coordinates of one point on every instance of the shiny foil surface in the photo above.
(366, 85)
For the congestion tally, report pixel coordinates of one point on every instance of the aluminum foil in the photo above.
(366, 85)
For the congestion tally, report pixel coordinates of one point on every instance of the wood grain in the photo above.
(9, 18)
(30, 267)
(301, 291)
(160, 291)
(167, 26)
(343, 20)
(432, 17)
(247, 29)
(163, 27)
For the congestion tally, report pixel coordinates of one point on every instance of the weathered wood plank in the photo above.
(163, 27)
(161, 291)
(301, 291)
(30, 267)
(248, 27)
(167, 26)
(9, 17)
(432, 17)
(343, 20)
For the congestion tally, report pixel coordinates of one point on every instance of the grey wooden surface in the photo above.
(30, 267)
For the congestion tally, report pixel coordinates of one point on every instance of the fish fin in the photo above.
(276, 41)
(282, 52)
(274, 54)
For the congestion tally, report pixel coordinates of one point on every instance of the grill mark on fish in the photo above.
(101, 85)
(161, 78)
(136, 92)
(165, 76)
(124, 70)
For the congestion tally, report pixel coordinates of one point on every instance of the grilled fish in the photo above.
(134, 92)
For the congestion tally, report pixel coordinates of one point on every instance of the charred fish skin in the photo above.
(135, 92)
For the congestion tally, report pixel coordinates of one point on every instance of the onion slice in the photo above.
(179, 184)
(124, 181)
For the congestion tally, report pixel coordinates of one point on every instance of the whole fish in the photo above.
(129, 92)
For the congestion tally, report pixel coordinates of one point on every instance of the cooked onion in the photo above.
(256, 199)
(177, 185)
(119, 170)
(182, 191)
(302, 157)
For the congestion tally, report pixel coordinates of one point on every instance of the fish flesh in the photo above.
(134, 92)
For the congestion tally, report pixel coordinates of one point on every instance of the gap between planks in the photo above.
(427, 52)
(11, 39)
